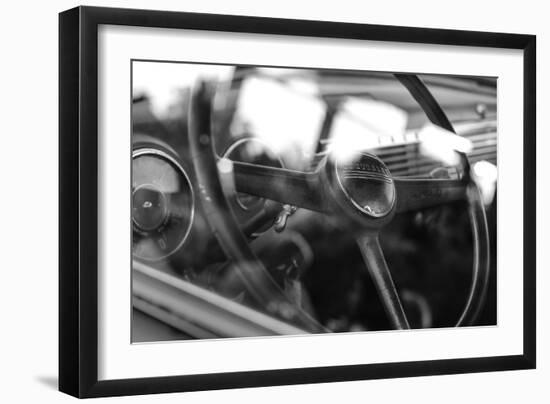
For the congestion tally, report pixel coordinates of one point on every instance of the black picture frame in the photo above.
(78, 200)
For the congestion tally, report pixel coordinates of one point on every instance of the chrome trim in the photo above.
(191, 308)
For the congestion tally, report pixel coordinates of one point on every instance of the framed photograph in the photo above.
(251, 201)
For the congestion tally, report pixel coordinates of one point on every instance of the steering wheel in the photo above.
(359, 191)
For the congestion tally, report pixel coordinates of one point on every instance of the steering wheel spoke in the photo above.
(369, 244)
(292, 187)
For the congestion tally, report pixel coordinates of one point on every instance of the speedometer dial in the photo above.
(162, 204)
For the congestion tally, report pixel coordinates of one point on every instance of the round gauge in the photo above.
(253, 151)
(162, 204)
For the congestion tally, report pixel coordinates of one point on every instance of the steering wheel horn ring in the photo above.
(361, 189)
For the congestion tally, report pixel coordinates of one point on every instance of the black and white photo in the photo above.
(281, 201)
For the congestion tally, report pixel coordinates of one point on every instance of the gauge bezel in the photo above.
(144, 151)
(376, 177)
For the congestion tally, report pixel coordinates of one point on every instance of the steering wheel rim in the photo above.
(476, 210)
(223, 222)
(255, 276)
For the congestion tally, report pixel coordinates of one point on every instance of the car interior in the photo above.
(280, 201)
